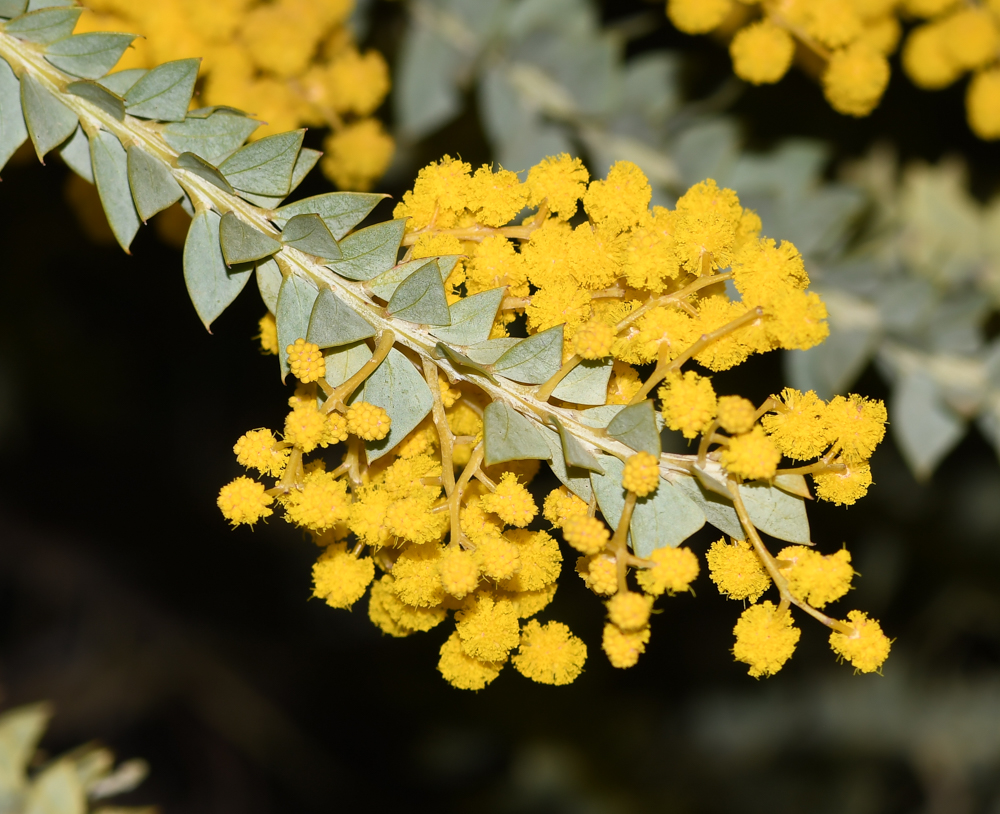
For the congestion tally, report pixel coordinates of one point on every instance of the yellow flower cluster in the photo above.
(288, 62)
(438, 533)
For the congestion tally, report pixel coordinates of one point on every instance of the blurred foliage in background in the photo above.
(128, 602)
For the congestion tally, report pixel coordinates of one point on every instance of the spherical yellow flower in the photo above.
(762, 52)
(815, 578)
(496, 197)
(698, 16)
(416, 580)
(855, 79)
(357, 155)
(459, 570)
(641, 474)
(244, 501)
(587, 535)
(883, 34)
(410, 519)
(857, 425)
(320, 504)
(927, 61)
(688, 403)
(982, 104)
(737, 570)
(305, 427)
(306, 361)
(558, 182)
(268, 336)
(385, 605)
(843, 488)
(499, 558)
(594, 340)
(971, 38)
(765, 638)
(834, 23)
(461, 670)
(549, 654)
(867, 648)
(561, 505)
(355, 82)
(623, 648)
(368, 421)
(736, 414)
(673, 571)
(335, 430)
(379, 600)
(600, 573)
(340, 578)
(752, 455)
(629, 610)
(621, 201)
(257, 449)
(540, 560)
(798, 427)
(511, 502)
(488, 627)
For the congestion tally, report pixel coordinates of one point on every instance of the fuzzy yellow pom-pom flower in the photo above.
(629, 610)
(258, 450)
(305, 427)
(765, 638)
(587, 535)
(459, 572)
(244, 501)
(561, 505)
(799, 426)
(815, 578)
(357, 155)
(751, 455)
(268, 336)
(698, 16)
(306, 361)
(857, 425)
(320, 504)
(641, 474)
(461, 670)
(549, 654)
(855, 79)
(340, 578)
(762, 52)
(558, 183)
(368, 421)
(846, 487)
(688, 403)
(737, 570)
(600, 573)
(622, 200)
(673, 571)
(511, 501)
(623, 648)
(866, 648)
(488, 627)
(594, 340)
(735, 414)
(983, 104)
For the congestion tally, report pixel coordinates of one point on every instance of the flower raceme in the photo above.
(438, 530)
(852, 39)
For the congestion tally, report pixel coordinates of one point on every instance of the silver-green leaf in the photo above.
(533, 360)
(12, 8)
(152, 184)
(576, 480)
(76, 153)
(45, 25)
(110, 163)
(343, 362)
(461, 360)
(242, 243)
(214, 138)
(368, 252)
(304, 162)
(295, 303)
(420, 298)
(309, 234)
(211, 285)
(332, 323)
(399, 389)
(635, 426)
(471, 318)
(574, 452)
(772, 510)
(665, 518)
(341, 211)
(269, 280)
(486, 353)
(89, 55)
(98, 95)
(165, 92)
(385, 284)
(200, 167)
(120, 81)
(587, 383)
(264, 167)
(49, 121)
(923, 425)
(12, 129)
(509, 436)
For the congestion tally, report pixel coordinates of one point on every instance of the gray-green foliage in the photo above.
(74, 783)
(327, 277)
(914, 294)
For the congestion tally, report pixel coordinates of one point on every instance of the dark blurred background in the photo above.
(126, 599)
